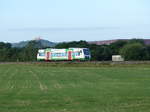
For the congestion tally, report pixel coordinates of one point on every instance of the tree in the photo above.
(134, 51)
(5, 54)
(101, 53)
(148, 50)
(132, 41)
(74, 44)
(5, 45)
(116, 46)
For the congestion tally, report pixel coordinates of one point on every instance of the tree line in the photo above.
(134, 49)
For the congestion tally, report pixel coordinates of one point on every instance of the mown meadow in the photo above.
(46, 88)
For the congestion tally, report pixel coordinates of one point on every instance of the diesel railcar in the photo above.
(51, 54)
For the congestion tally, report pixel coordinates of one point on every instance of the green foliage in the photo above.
(27, 53)
(134, 51)
(75, 44)
(98, 52)
(132, 41)
(5, 45)
(116, 46)
(101, 53)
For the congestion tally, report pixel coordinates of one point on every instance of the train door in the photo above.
(48, 56)
(69, 55)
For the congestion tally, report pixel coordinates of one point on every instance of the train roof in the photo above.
(41, 50)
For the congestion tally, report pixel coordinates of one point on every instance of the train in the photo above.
(69, 54)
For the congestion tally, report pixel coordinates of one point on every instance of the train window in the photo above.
(59, 54)
(86, 51)
(64, 54)
(41, 54)
(80, 51)
(73, 54)
(76, 54)
(52, 55)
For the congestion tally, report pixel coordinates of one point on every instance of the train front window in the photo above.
(86, 51)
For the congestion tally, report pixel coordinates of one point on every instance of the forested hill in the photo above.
(42, 43)
(134, 49)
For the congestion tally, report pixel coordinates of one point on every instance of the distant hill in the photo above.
(44, 43)
(108, 42)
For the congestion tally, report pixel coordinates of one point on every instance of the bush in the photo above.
(134, 51)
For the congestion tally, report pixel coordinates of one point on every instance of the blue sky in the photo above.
(67, 20)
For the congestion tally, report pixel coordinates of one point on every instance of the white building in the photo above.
(117, 58)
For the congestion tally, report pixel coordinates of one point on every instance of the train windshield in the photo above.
(86, 51)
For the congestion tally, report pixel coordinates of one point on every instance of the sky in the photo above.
(69, 20)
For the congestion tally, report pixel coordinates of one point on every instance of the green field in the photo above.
(43, 88)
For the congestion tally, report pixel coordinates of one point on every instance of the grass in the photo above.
(44, 88)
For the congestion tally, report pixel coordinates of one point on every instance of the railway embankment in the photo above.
(82, 64)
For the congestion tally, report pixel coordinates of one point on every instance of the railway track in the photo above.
(79, 62)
